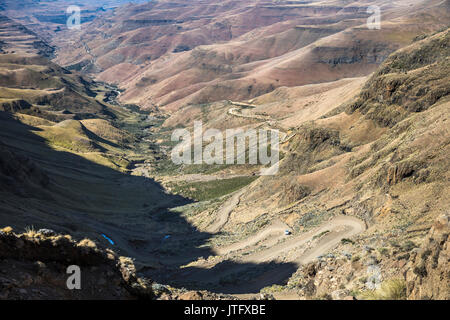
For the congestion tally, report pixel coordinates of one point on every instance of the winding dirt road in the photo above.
(268, 257)
(270, 247)
(272, 239)
(224, 212)
(237, 112)
(271, 244)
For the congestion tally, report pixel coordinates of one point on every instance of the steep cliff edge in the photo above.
(428, 275)
(34, 265)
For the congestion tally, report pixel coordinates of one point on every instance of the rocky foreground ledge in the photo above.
(428, 272)
(33, 265)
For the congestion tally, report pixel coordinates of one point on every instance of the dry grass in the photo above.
(87, 243)
(105, 130)
(30, 232)
(394, 289)
(7, 230)
(69, 134)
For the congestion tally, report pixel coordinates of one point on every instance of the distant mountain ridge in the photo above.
(170, 54)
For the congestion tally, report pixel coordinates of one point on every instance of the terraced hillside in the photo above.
(170, 54)
(16, 38)
(48, 17)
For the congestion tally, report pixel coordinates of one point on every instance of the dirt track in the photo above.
(270, 256)
(270, 247)
(292, 251)
(272, 237)
(224, 212)
(237, 112)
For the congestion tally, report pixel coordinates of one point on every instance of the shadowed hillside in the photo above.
(65, 164)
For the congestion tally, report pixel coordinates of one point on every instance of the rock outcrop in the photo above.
(34, 265)
(428, 275)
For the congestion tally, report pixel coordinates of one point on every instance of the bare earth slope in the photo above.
(171, 54)
(359, 187)
(395, 179)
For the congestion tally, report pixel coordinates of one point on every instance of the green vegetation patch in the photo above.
(202, 191)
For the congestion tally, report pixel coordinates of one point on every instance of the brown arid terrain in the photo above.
(357, 210)
(168, 54)
(49, 17)
(391, 178)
